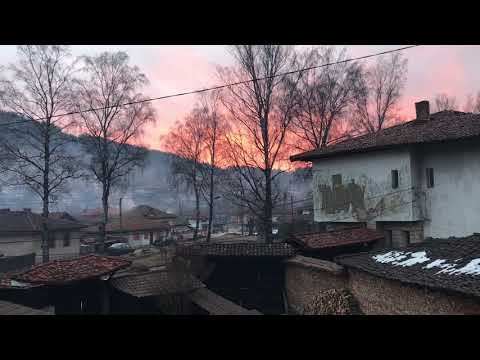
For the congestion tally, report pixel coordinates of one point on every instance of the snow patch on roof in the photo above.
(402, 258)
(389, 257)
(394, 258)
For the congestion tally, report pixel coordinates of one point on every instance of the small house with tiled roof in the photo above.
(244, 270)
(410, 181)
(20, 234)
(140, 226)
(73, 286)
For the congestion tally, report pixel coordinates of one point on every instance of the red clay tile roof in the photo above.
(238, 250)
(323, 240)
(65, 271)
(448, 264)
(442, 126)
(25, 221)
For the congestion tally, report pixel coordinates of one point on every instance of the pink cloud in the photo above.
(173, 70)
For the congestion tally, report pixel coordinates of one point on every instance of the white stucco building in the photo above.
(20, 234)
(415, 180)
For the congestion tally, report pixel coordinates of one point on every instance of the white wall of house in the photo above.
(15, 245)
(452, 206)
(370, 197)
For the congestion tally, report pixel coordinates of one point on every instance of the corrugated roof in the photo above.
(8, 308)
(215, 304)
(323, 240)
(155, 283)
(449, 264)
(443, 126)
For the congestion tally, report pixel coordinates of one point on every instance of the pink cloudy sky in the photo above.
(171, 69)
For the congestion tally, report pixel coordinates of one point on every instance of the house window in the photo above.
(430, 178)
(394, 179)
(337, 179)
(66, 239)
(136, 236)
(406, 237)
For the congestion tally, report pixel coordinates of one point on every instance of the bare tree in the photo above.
(472, 105)
(112, 130)
(325, 96)
(215, 130)
(379, 94)
(444, 102)
(261, 113)
(186, 140)
(38, 91)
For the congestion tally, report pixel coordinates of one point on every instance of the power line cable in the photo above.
(218, 87)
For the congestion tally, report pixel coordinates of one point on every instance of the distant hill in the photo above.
(147, 186)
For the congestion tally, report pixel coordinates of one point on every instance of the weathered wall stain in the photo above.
(351, 199)
(342, 198)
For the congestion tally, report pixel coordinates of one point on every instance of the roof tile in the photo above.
(443, 126)
(449, 264)
(65, 271)
(323, 240)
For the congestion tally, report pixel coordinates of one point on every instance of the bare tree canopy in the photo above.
(38, 90)
(325, 96)
(215, 130)
(187, 141)
(113, 130)
(261, 113)
(378, 97)
(472, 104)
(444, 102)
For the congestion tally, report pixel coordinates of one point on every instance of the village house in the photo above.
(141, 226)
(20, 234)
(73, 286)
(411, 181)
(243, 271)
(390, 203)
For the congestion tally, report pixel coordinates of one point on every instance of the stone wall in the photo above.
(398, 233)
(378, 296)
(306, 277)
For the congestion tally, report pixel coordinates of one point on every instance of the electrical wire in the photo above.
(218, 87)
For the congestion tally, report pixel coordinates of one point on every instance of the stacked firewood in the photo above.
(332, 302)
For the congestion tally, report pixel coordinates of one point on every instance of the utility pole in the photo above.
(120, 209)
(293, 218)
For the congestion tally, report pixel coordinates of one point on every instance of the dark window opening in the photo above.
(394, 179)
(406, 236)
(388, 238)
(430, 178)
(66, 239)
(337, 179)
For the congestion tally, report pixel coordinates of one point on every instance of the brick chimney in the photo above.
(422, 109)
